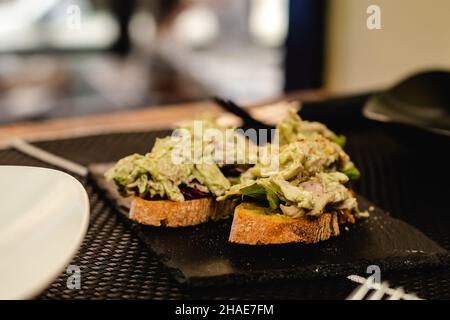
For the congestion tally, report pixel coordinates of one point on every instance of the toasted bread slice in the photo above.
(178, 214)
(252, 226)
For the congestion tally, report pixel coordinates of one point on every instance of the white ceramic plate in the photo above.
(44, 215)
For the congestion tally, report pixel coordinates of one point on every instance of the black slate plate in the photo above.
(201, 255)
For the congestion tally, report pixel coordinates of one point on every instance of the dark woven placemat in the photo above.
(114, 264)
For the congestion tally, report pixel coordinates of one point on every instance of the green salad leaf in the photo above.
(352, 173)
(341, 140)
(262, 192)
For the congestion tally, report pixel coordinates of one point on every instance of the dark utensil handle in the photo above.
(233, 108)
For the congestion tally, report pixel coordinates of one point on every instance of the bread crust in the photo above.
(253, 228)
(178, 214)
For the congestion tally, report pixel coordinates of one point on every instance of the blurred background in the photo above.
(61, 58)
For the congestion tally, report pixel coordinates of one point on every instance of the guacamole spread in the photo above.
(293, 127)
(157, 176)
(311, 176)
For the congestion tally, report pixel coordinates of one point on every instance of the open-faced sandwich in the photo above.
(306, 198)
(174, 192)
